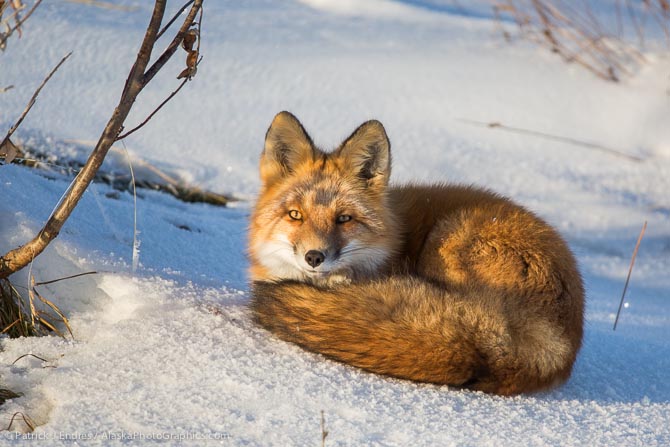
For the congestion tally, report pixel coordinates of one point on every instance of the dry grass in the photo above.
(22, 316)
(6, 395)
(118, 180)
(15, 319)
(630, 271)
(575, 32)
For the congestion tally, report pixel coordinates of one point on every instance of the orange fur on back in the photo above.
(440, 283)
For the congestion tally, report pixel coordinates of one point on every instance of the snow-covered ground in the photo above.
(169, 351)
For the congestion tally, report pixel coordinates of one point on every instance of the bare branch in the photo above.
(151, 115)
(137, 80)
(170, 50)
(33, 99)
(192, 63)
(175, 17)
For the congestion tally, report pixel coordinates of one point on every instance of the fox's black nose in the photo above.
(314, 258)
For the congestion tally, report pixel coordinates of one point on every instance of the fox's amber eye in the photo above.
(342, 218)
(295, 215)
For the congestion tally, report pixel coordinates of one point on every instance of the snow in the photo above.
(170, 351)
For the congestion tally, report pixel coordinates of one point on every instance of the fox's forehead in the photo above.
(318, 190)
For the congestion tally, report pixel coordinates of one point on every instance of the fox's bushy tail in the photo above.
(408, 328)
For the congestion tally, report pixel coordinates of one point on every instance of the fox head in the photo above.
(322, 217)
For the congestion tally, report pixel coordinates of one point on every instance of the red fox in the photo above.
(436, 283)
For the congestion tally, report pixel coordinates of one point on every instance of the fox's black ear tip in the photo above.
(373, 123)
(283, 116)
(372, 127)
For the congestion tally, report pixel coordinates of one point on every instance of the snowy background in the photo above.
(169, 351)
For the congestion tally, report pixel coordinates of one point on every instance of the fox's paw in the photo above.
(338, 279)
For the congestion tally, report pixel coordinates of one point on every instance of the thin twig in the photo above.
(4, 89)
(497, 125)
(137, 79)
(187, 78)
(172, 20)
(4, 37)
(18, 258)
(44, 283)
(630, 270)
(151, 115)
(34, 98)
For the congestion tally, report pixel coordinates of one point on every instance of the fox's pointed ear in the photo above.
(367, 153)
(286, 146)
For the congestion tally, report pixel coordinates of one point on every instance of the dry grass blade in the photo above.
(44, 283)
(630, 271)
(136, 241)
(28, 355)
(26, 420)
(50, 327)
(562, 139)
(56, 309)
(11, 325)
(31, 301)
